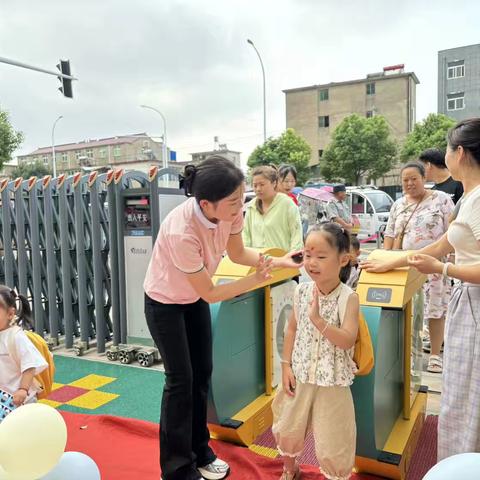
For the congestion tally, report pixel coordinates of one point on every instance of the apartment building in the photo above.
(459, 82)
(131, 152)
(314, 111)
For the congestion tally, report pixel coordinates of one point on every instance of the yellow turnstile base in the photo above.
(257, 417)
(402, 442)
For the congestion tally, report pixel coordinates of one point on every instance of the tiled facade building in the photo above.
(315, 111)
(132, 152)
(459, 82)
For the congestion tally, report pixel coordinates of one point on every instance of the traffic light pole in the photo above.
(30, 67)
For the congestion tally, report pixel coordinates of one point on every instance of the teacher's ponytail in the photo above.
(213, 179)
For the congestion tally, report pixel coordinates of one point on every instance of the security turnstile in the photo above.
(390, 402)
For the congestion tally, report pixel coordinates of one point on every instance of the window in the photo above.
(102, 153)
(78, 154)
(64, 157)
(117, 151)
(45, 159)
(456, 69)
(90, 153)
(146, 144)
(323, 95)
(456, 101)
(324, 121)
(370, 89)
(320, 154)
(358, 204)
(380, 200)
(369, 113)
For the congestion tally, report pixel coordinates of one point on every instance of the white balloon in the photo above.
(465, 466)
(74, 466)
(32, 439)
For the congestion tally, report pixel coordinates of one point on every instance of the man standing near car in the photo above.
(337, 209)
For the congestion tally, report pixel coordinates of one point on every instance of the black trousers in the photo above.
(183, 335)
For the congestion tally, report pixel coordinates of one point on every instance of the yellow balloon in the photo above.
(32, 440)
(5, 476)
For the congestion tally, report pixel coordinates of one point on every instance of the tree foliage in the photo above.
(287, 148)
(431, 133)
(36, 169)
(10, 140)
(360, 147)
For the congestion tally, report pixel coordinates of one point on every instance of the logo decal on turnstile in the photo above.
(379, 295)
(138, 251)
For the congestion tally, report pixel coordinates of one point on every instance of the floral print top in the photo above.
(314, 358)
(428, 223)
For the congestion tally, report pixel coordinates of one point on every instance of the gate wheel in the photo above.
(145, 359)
(125, 357)
(112, 356)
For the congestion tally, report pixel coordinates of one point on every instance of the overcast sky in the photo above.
(190, 59)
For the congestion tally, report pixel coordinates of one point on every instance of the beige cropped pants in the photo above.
(329, 412)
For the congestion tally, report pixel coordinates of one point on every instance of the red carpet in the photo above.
(423, 459)
(126, 449)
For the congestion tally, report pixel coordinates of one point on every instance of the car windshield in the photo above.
(380, 200)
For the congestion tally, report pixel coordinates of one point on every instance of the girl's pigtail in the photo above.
(345, 273)
(24, 313)
(346, 270)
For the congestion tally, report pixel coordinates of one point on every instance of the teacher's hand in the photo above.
(264, 267)
(425, 263)
(375, 266)
(287, 261)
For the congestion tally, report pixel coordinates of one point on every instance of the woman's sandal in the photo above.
(435, 364)
(286, 475)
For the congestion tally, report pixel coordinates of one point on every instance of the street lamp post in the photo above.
(165, 151)
(54, 161)
(264, 93)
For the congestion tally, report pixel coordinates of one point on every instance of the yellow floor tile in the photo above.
(264, 451)
(50, 403)
(92, 400)
(91, 382)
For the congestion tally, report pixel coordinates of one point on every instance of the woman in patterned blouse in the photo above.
(418, 219)
(317, 363)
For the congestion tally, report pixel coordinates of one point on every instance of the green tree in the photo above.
(287, 148)
(36, 169)
(360, 147)
(10, 140)
(431, 133)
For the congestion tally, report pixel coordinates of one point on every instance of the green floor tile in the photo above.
(140, 389)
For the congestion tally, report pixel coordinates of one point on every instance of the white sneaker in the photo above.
(216, 470)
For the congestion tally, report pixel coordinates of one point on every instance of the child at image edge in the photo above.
(17, 378)
(317, 363)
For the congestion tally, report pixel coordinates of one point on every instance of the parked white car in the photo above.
(372, 207)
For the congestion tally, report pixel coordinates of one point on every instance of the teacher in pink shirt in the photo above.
(178, 289)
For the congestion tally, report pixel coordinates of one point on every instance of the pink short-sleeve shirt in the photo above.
(186, 243)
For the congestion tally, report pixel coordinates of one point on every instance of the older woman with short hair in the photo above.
(418, 219)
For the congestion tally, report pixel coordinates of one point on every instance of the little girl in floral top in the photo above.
(317, 363)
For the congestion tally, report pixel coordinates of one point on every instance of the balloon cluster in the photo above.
(32, 447)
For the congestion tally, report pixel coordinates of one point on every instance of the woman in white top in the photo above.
(459, 422)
